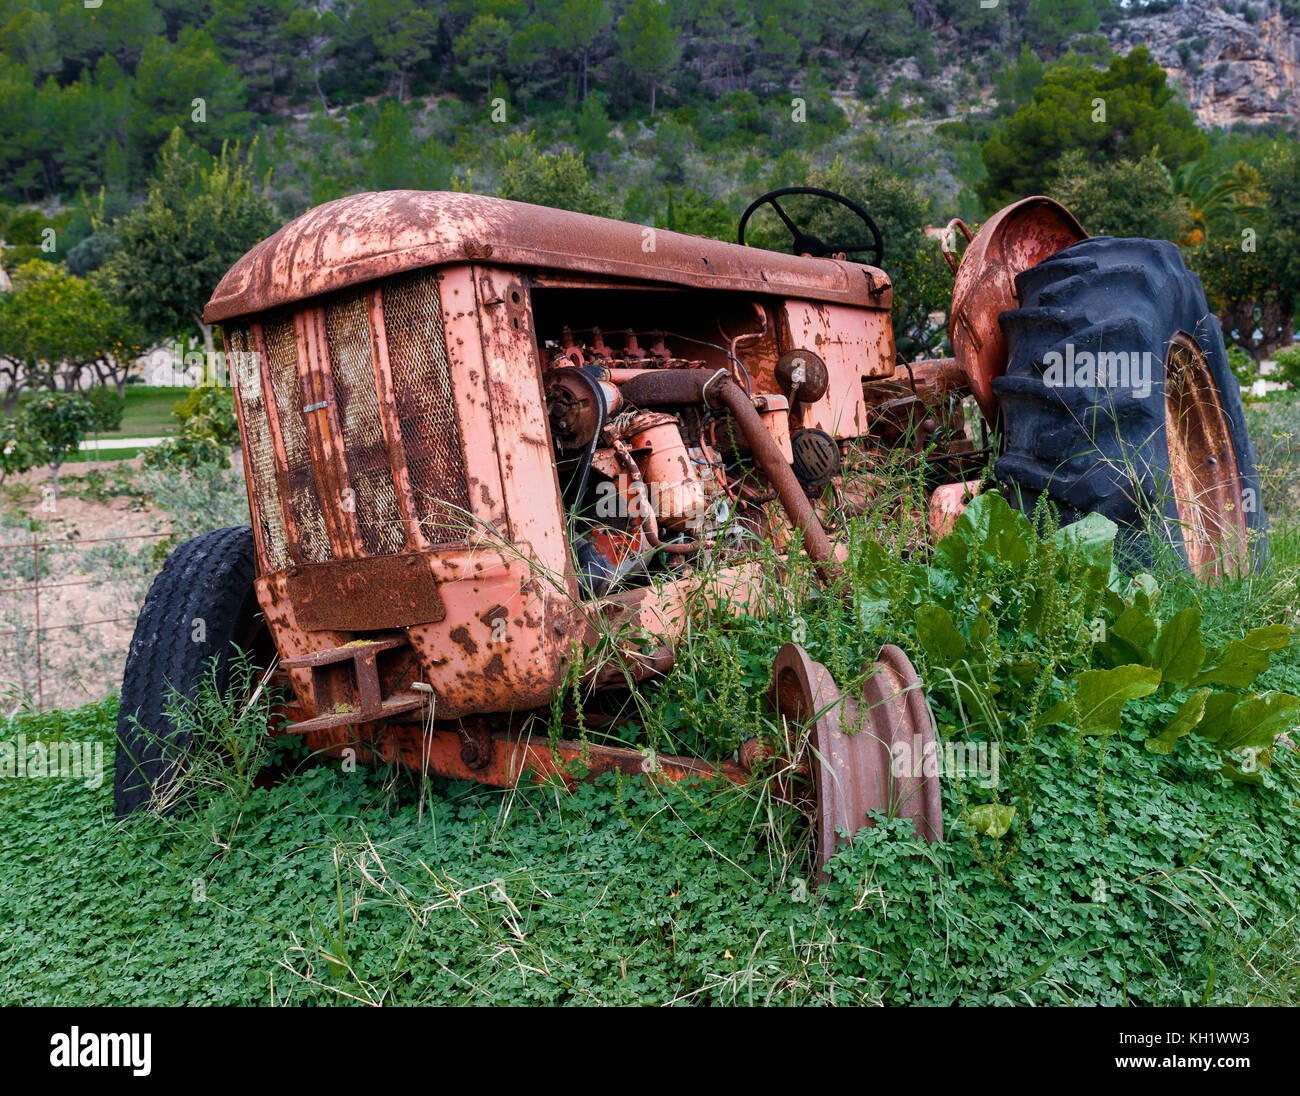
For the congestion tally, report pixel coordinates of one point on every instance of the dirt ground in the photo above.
(96, 558)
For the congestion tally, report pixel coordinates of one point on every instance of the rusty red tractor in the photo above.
(481, 437)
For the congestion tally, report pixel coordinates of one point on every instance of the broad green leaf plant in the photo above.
(1022, 629)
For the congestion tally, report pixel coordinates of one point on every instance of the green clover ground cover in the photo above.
(327, 888)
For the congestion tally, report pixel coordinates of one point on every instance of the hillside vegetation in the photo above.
(145, 145)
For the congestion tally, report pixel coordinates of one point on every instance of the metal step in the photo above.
(326, 667)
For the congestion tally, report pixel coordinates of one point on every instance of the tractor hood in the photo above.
(369, 236)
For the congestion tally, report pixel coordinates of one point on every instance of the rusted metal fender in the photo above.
(851, 745)
(1012, 240)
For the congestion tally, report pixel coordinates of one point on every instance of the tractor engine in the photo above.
(640, 484)
(653, 474)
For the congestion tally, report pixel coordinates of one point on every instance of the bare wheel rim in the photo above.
(853, 741)
(1202, 464)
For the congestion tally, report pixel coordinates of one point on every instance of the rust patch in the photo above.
(380, 592)
(489, 617)
(464, 640)
(1203, 465)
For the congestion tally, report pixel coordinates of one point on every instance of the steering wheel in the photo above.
(806, 244)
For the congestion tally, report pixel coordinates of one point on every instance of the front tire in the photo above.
(201, 605)
(1165, 453)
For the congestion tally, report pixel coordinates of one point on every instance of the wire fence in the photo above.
(35, 588)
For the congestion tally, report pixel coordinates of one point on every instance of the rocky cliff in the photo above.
(1237, 61)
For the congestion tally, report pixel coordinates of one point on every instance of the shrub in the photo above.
(20, 450)
(1124, 198)
(56, 423)
(198, 496)
(561, 181)
(208, 430)
(1288, 366)
(1243, 366)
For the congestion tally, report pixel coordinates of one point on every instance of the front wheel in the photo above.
(202, 605)
(1118, 399)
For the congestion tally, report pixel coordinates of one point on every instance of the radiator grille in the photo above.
(265, 488)
(426, 409)
(304, 502)
(370, 474)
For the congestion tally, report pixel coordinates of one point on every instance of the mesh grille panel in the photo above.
(426, 410)
(265, 487)
(304, 502)
(379, 521)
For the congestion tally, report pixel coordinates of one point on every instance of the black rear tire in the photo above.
(1105, 448)
(207, 579)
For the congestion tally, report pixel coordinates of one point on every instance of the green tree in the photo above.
(21, 131)
(1279, 232)
(254, 34)
(401, 34)
(879, 30)
(648, 38)
(1049, 23)
(119, 29)
(19, 451)
(1014, 85)
(55, 424)
(1217, 198)
(561, 180)
(85, 120)
(398, 160)
(591, 126)
(1252, 276)
(1255, 312)
(200, 216)
(481, 50)
(55, 326)
(312, 36)
(29, 36)
(1122, 112)
(584, 22)
(1125, 198)
(171, 78)
(531, 60)
(694, 213)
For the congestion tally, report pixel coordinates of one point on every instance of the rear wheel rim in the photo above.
(1203, 467)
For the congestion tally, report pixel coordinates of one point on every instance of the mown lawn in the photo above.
(148, 412)
(104, 455)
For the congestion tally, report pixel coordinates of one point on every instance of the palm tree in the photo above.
(1216, 198)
